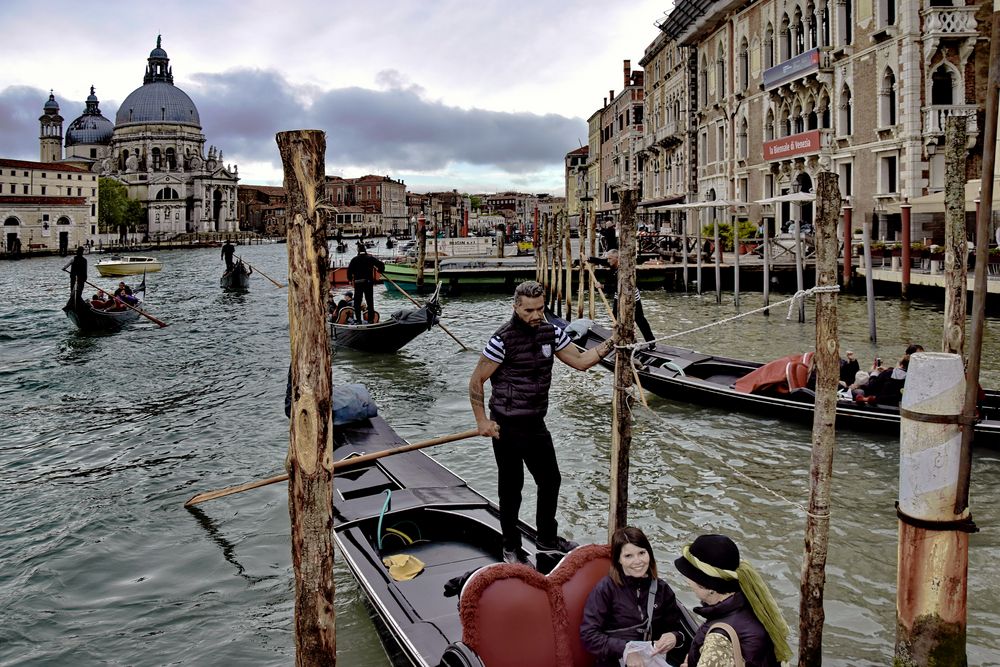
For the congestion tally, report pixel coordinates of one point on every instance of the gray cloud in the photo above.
(397, 127)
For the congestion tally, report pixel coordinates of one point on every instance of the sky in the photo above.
(473, 95)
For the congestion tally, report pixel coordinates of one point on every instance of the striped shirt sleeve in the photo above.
(562, 339)
(494, 350)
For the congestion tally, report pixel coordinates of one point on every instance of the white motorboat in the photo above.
(128, 265)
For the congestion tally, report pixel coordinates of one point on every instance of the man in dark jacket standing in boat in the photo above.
(227, 254)
(361, 273)
(517, 361)
(610, 287)
(77, 274)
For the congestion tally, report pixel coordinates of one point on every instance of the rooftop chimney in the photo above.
(611, 95)
(628, 72)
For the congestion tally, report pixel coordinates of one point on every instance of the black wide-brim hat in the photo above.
(715, 550)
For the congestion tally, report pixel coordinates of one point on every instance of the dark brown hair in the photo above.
(621, 537)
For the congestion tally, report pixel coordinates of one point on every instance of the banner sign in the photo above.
(792, 68)
(797, 144)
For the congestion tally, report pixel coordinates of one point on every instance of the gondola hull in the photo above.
(453, 530)
(690, 377)
(92, 320)
(237, 279)
(386, 336)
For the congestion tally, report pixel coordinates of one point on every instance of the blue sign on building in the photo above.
(793, 68)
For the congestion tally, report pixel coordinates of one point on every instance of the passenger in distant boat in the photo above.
(609, 240)
(732, 593)
(610, 287)
(857, 386)
(913, 348)
(886, 388)
(227, 254)
(517, 360)
(849, 367)
(361, 273)
(77, 274)
(101, 301)
(625, 606)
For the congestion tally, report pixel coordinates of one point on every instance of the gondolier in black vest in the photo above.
(517, 361)
(227, 254)
(361, 273)
(610, 287)
(77, 275)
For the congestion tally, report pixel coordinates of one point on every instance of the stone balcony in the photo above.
(935, 117)
(949, 23)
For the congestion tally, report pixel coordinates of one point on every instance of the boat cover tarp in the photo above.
(351, 402)
(771, 376)
(411, 316)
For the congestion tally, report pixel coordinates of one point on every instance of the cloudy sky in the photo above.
(477, 95)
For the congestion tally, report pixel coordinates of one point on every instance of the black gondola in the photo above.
(238, 278)
(96, 320)
(691, 377)
(387, 335)
(341, 246)
(408, 505)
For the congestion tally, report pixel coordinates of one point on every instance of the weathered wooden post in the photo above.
(799, 279)
(736, 262)
(557, 250)
(621, 413)
(933, 559)
(848, 235)
(592, 240)
(684, 248)
(582, 266)
(437, 254)
(421, 251)
(767, 265)
(698, 255)
(904, 291)
(956, 253)
(811, 615)
(718, 256)
(568, 253)
(309, 463)
(869, 278)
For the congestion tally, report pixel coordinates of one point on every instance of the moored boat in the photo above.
(128, 265)
(238, 278)
(91, 318)
(387, 335)
(688, 376)
(426, 550)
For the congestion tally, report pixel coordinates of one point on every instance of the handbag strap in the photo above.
(734, 639)
(650, 601)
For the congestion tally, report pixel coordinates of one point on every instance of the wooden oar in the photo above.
(212, 495)
(276, 283)
(149, 317)
(600, 290)
(404, 293)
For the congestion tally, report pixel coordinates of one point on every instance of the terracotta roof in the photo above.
(266, 189)
(51, 201)
(52, 166)
(583, 150)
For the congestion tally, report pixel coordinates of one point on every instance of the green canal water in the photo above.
(103, 438)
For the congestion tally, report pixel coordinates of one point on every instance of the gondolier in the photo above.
(77, 275)
(361, 273)
(227, 254)
(610, 287)
(517, 361)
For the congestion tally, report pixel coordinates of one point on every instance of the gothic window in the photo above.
(720, 72)
(769, 47)
(744, 140)
(704, 81)
(846, 117)
(887, 100)
(167, 193)
(942, 86)
(157, 159)
(799, 44)
(811, 27)
(769, 126)
(744, 64)
(171, 159)
(824, 18)
(786, 39)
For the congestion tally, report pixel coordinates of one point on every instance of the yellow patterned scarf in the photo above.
(759, 597)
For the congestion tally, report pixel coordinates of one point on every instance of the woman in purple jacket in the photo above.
(632, 604)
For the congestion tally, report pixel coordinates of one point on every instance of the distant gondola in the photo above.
(387, 335)
(411, 510)
(691, 377)
(90, 319)
(341, 246)
(238, 278)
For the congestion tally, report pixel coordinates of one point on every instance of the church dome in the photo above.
(90, 128)
(158, 100)
(51, 106)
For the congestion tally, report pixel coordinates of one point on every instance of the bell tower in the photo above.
(51, 132)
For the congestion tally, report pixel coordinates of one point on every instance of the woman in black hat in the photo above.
(631, 604)
(732, 594)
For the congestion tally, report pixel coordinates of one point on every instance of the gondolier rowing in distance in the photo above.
(517, 360)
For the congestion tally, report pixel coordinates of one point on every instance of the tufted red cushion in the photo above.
(576, 576)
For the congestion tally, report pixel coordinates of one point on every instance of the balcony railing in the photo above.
(950, 21)
(936, 116)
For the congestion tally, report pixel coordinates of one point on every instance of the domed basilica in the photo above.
(156, 148)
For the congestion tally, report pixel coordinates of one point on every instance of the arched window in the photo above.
(942, 86)
(157, 159)
(769, 126)
(167, 193)
(744, 64)
(786, 39)
(122, 160)
(887, 99)
(798, 31)
(704, 81)
(744, 141)
(769, 47)
(12, 222)
(63, 220)
(846, 121)
(720, 72)
(786, 122)
(171, 159)
(811, 27)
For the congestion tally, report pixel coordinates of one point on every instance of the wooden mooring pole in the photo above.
(568, 254)
(621, 412)
(309, 463)
(592, 240)
(421, 251)
(956, 267)
(933, 555)
(811, 614)
(869, 278)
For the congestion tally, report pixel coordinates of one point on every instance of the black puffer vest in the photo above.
(521, 384)
(758, 650)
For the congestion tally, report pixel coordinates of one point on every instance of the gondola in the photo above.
(691, 377)
(238, 278)
(408, 506)
(388, 335)
(95, 320)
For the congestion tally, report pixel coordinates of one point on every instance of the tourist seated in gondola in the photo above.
(849, 368)
(886, 388)
(124, 293)
(101, 300)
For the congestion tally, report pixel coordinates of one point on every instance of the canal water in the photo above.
(103, 438)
